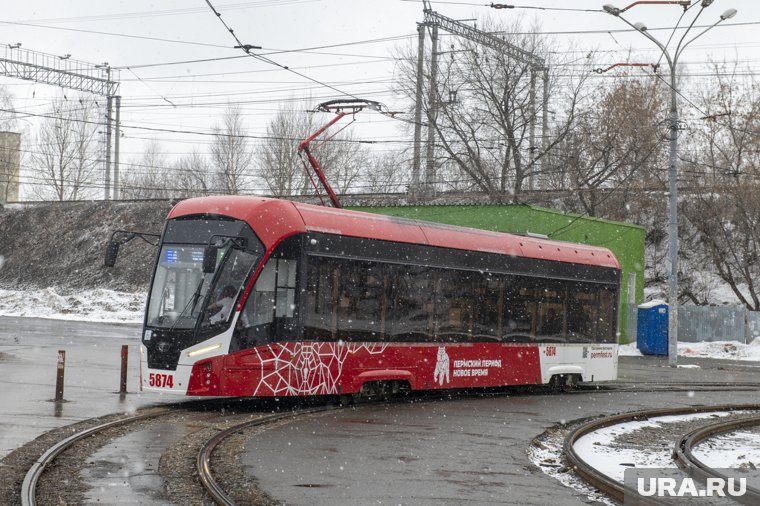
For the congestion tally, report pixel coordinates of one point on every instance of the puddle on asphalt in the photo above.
(125, 471)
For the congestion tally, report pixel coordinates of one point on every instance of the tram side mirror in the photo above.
(209, 259)
(112, 251)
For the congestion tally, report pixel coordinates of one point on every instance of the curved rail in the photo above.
(606, 484)
(29, 485)
(686, 460)
(203, 461)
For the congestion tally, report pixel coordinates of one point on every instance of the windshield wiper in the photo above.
(193, 300)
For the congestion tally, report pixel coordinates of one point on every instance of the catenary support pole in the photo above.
(432, 112)
(107, 179)
(415, 187)
(117, 135)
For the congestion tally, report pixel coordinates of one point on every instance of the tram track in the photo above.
(208, 435)
(203, 461)
(226, 423)
(686, 460)
(682, 451)
(32, 477)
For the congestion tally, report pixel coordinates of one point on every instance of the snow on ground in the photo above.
(84, 305)
(546, 454)
(739, 449)
(599, 449)
(729, 350)
(629, 350)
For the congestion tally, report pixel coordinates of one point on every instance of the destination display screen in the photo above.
(178, 255)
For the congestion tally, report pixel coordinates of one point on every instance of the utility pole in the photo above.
(117, 125)
(673, 120)
(107, 179)
(415, 188)
(545, 121)
(532, 146)
(432, 113)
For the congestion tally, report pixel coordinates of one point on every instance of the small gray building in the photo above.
(10, 166)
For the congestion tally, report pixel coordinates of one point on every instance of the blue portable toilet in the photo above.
(652, 328)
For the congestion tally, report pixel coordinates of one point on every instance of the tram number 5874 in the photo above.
(159, 380)
(550, 351)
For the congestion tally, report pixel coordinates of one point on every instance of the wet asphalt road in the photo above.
(28, 361)
(432, 452)
(464, 450)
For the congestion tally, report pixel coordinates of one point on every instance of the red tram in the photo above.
(264, 297)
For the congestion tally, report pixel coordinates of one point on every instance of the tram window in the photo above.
(345, 300)
(360, 301)
(269, 312)
(412, 288)
(606, 320)
(581, 311)
(552, 310)
(591, 313)
(285, 286)
(320, 303)
(488, 307)
(520, 310)
(453, 303)
(273, 295)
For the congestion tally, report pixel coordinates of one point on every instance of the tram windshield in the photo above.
(183, 295)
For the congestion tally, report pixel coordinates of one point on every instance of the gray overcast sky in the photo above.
(364, 33)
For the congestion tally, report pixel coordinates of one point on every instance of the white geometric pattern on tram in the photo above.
(316, 369)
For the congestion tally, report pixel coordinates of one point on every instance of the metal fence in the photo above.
(707, 323)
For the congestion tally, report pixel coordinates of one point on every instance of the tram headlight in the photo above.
(205, 349)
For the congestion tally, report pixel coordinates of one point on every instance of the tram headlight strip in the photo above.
(205, 349)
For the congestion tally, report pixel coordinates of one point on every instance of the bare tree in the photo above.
(279, 165)
(388, 172)
(65, 157)
(7, 110)
(722, 171)
(153, 176)
(149, 176)
(194, 176)
(486, 106)
(613, 151)
(341, 156)
(343, 159)
(231, 155)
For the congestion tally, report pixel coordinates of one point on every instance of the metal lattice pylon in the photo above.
(538, 66)
(65, 72)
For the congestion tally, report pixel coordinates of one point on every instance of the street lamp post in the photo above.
(673, 169)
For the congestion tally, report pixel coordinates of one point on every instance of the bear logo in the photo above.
(441, 367)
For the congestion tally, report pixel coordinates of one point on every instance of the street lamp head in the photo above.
(728, 14)
(706, 3)
(611, 9)
(640, 26)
